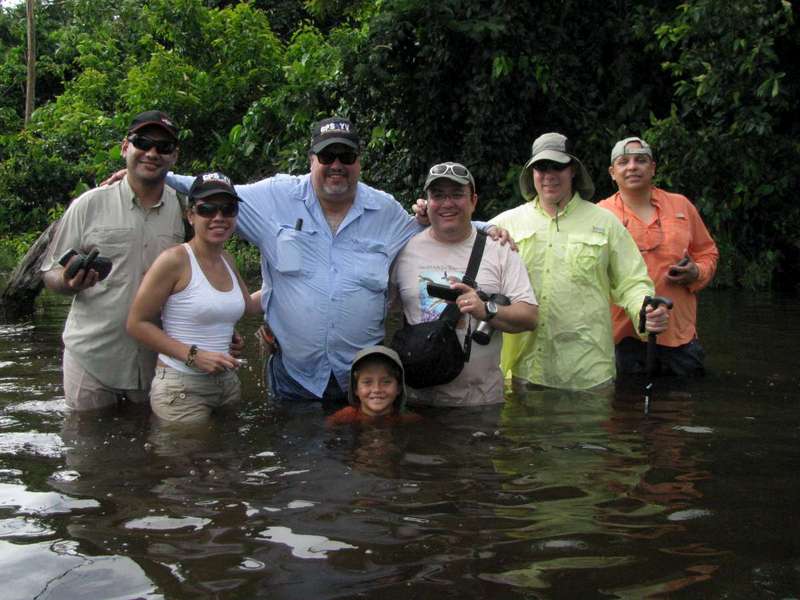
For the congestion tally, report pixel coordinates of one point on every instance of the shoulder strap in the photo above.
(452, 313)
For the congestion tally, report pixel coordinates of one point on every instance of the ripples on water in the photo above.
(554, 495)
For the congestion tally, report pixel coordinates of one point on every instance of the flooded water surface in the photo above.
(553, 495)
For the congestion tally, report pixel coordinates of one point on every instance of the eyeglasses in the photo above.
(143, 143)
(346, 157)
(209, 210)
(450, 169)
(550, 165)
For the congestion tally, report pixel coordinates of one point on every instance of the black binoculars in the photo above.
(93, 260)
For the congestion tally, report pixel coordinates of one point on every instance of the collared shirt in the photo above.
(324, 294)
(576, 265)
(112, 220)
(676, 228)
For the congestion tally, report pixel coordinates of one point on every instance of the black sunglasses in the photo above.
(346, 157)
(209, 210)
(143, 143)
(550, 165)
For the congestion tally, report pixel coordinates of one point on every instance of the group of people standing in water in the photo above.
(336, 252)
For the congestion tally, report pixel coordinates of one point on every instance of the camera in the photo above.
(93, 260)
(445, 292)
(483, 332)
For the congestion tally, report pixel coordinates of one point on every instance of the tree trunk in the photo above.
(26, 282)
(30, 87)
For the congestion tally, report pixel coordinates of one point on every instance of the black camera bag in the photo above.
(430, 352)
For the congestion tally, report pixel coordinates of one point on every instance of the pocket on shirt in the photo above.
(587, 259)
(113, 242)
(371, 265)
(290, 248)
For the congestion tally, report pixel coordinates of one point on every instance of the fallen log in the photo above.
(19, 296)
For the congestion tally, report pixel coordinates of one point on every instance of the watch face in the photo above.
(491, 307)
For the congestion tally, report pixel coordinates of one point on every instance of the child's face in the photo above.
(376, 389)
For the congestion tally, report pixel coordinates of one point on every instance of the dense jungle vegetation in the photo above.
(710, 83)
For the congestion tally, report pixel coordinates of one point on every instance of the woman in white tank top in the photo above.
(196, 294)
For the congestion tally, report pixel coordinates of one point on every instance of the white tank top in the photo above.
(200, 314)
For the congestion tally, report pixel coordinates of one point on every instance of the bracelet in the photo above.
(191, 356)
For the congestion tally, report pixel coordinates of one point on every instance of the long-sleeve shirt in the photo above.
(577, 264)
(677, 228)
(324, 294)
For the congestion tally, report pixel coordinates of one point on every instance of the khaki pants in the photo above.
(82, 391)
(187, 398)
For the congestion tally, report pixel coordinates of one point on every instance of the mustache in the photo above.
(334, 171)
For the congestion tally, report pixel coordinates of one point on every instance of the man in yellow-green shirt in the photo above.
(579, 257)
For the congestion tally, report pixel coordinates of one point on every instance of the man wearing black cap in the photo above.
(326, 241)
(130, 223)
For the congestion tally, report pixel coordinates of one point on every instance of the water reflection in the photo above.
(551, 495)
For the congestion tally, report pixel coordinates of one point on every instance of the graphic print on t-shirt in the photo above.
(430, 308)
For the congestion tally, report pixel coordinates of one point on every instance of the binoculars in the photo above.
(93, 260)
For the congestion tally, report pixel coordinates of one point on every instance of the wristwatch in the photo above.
(191, 356)
(491, 310)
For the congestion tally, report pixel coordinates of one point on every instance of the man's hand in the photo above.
(83, 279)
(115, 177)
(683, 273)
(267, 342)
(420, 209)
(469, 302)
(237, 345)
(657, 319)
(498, 234)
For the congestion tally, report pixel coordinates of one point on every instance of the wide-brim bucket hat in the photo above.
(555, 147)
(378, 351)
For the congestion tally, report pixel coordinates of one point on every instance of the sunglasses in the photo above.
(346, 157)
(209, 210)
(450, 169)
(144, 144)
(550, 165)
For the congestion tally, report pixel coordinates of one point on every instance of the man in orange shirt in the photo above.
(680, 255)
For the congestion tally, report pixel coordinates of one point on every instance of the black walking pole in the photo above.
(655, 302)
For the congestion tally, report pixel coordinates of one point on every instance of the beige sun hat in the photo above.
(555, 147)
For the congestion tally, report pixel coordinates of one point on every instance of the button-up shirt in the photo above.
(675, 229)
(112, 220)
(324, 293)
(577, 263)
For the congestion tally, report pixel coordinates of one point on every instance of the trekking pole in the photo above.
(655, 302)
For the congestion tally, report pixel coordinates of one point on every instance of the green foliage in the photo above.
(711, 85)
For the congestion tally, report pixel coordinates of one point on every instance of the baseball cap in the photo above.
(386, 353)
(555, 147)
(620, 148)
(154, 118)
(211, 184)
(333, 130)
(449, 170)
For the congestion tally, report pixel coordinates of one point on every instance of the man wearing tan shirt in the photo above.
(130, 222)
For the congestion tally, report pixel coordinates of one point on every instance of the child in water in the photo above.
(377, 389)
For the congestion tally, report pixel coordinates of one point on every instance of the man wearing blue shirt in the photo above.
(326, 241)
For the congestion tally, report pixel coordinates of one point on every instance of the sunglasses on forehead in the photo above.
(209, 210)
(445, 169)
(550, 165)
(143, 143)
(346, 157)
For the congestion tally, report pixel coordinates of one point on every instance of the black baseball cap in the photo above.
(333, 130)
(211, 184)
(154, 118)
